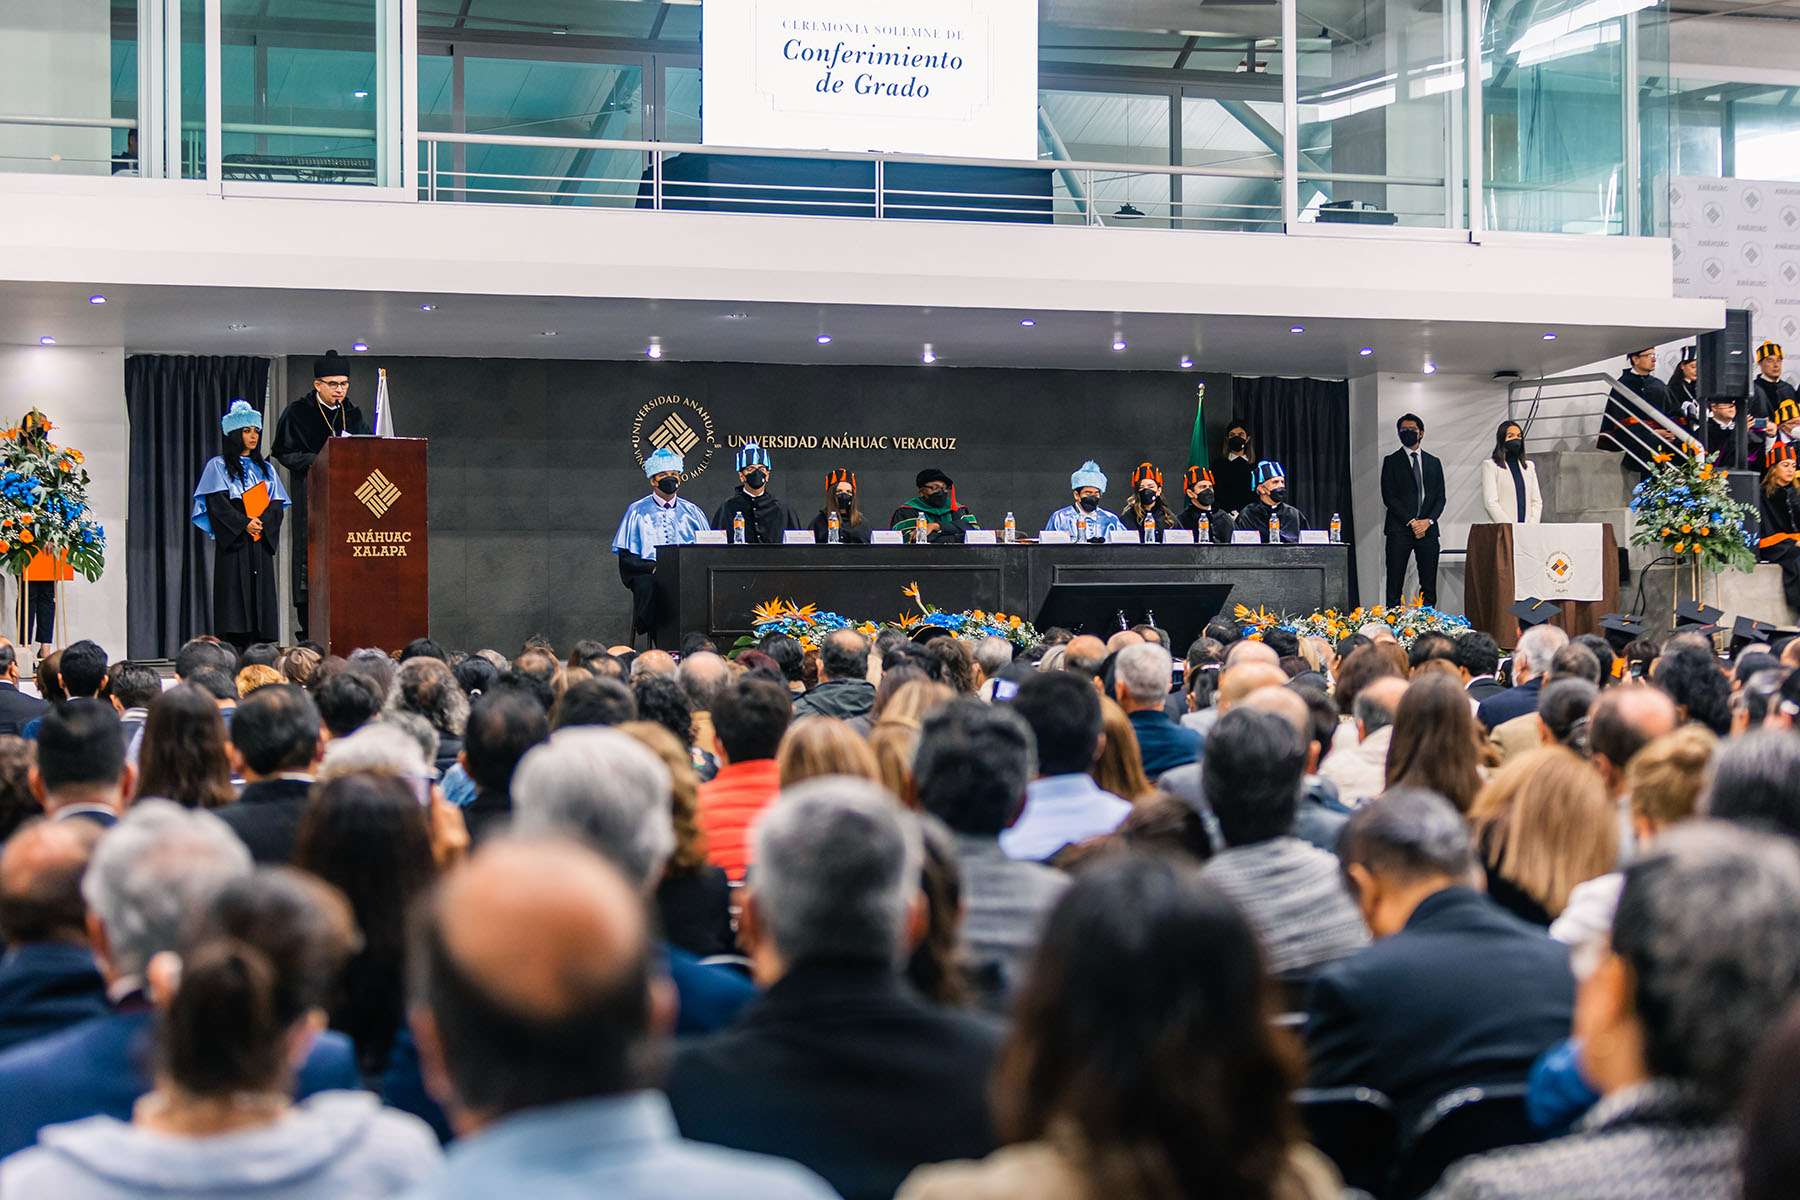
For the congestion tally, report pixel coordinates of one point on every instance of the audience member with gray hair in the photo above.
(375, 665)
(840, 1066)
(1454, 991)
(1141, 682)
(150, 875)
(973, 763)
(611, 793)
(993, 655)
(1531, 663)
(1705, 957)
(1359, 768)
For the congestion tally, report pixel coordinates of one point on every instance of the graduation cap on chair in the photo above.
(1532, 611)
(1620, 629)
(1693, 617)
(1748, 631)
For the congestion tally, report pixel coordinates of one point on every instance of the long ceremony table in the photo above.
(714, 588)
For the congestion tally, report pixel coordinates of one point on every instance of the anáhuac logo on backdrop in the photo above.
(674, 423)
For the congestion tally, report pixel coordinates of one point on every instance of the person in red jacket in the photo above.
(748, 720)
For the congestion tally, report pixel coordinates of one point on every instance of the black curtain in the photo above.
(1304, 424)
(174, 403)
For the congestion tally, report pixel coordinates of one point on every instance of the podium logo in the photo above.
(1560, 567)
(378, 493)
(674, 423)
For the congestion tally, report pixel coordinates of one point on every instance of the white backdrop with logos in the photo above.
(1738, 240)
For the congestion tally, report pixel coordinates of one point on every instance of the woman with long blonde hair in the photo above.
(1543, 824)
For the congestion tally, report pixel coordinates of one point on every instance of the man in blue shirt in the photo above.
(1141, 679)
(1085, 520)
(1063, 805)
(539, 1015)
(660, 519)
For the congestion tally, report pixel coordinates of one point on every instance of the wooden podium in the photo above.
(1488, 586)
(368, 564)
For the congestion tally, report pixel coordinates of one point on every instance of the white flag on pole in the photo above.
(384, 407)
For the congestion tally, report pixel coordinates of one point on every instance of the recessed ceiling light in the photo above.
(96, 299)
(1430, 369)
(237, 327)
(46, 341)
(1366, 351)
(1027, 322)
(824, 339)
(737, 316)
(427, 308)
(359, 347)
(1298, 329)
(655, 349)
(928, 357)
(547, 333)
(1118, 343)
(1549, 337)
(1186, 362)
(360, 95)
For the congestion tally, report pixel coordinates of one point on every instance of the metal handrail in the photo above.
(1640, 447)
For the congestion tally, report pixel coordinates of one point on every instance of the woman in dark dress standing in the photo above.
(239, 502)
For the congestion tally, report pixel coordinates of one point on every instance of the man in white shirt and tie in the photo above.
(1412, 491)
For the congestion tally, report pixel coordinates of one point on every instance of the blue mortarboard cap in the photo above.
(1266, 470)
(751, 454)
(663, 460)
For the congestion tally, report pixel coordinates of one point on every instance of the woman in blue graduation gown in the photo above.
(231, 486)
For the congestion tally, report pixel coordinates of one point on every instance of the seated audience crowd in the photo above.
(924, 918)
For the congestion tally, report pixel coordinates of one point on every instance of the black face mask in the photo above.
(1147, 497)
(1409, 438)
(1235, 445)
(667, 486)
(1277, 496)
(756, 478)
(1089, 503)
(935, 497)
(1203, 498)
(846, 499)
(1515, 448)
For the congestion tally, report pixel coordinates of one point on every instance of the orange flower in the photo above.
(1705, 531)
(1687, 529)
(25, 536)
(66, 466)
(1680, 547)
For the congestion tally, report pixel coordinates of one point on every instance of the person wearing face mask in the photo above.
(1271, 497)
(945, 519)
(765, 517)
(1232, 472)
(1201, 495)
(840, 496)
(239, 504)
(1684, 390)
(1787, 427)
(1720, 435)
(660, 519)
(1147, 500)
(1780, 540)
(1085, 520)
(1412, 491)
(1509, 482)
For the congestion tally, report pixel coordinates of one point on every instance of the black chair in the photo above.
(1470, 1120)
(1355, 1128)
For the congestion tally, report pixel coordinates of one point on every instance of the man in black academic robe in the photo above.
(1767, 391)
(322, 413)
(1270, 498)
(1719, 432)
(765, 517)
(1412, 492)
(1620, 428)
(945, 519)
(1684, 390)
(1199, 487)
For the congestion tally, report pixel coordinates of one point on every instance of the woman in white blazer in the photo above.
(1506, 476)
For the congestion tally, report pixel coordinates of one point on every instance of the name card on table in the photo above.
(1315, 537)
(710, 537)
(1246, 537)
(980, 537)
(1123, 537)
(1178, 537)
(1054, 537)
(798, 537)
(885, 537)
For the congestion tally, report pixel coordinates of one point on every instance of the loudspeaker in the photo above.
(1725, 357)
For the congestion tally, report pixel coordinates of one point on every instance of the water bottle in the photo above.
(1012, 530)
(833, 534)
(1204, 534)
(919, 534)
(1149, 529)
(1337, 529)
(1274, 528)
(1081, 529)
(737, 529)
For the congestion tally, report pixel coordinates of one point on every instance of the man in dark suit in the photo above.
(504, 723)
(158, 866)
(1412, 491)
(840, 1066)
(81, 773)
(48, 979)
(16, 708)
(1454, 991)
(1477, 659)
(1531, 662)
(274, 747)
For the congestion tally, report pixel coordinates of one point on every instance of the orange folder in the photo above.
(45, 568)
(256, 502)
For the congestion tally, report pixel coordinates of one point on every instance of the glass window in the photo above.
(56, 64)
(300, 95)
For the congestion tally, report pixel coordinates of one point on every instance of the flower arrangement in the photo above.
(44, 503)
(1685, 506)
(809, 626)
(1408, 621)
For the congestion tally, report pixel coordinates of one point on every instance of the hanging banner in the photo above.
(1559, 562)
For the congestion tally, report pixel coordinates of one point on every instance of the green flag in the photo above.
(1197, 456)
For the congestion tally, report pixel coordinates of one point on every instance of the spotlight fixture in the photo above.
(1430, 369)
(1186, 363)
(96, 299)
(1027, 322)
(1549, 337)
(824, 339)
(46, 341)
(359, 347)
(1366, 351)
(928, 357)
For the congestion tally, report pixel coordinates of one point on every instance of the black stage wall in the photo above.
(532, 461)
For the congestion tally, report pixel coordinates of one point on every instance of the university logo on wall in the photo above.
(674, 423)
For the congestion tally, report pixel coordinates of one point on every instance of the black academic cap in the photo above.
(1690, 354)
(1532, 611)
(1748, 630)
(331, 364)
(1693, 617)
(931, 475)
(1620, 629)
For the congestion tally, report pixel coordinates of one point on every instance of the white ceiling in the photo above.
(144, 318)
